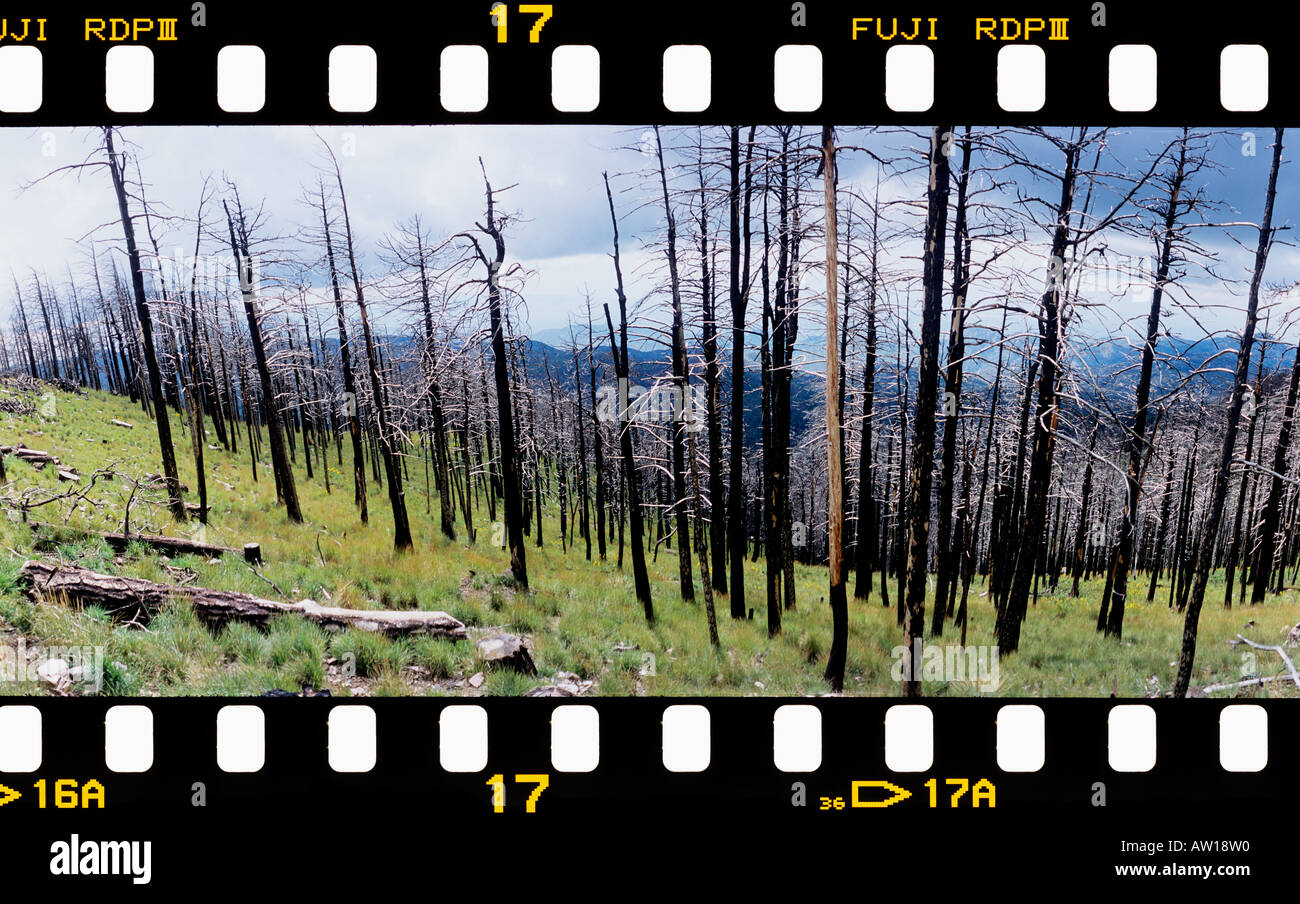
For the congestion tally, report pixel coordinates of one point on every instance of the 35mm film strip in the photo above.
(381, 400)
(756, 63)
(859, 769)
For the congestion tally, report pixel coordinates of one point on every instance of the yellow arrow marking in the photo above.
(898, 794)
(8, 794)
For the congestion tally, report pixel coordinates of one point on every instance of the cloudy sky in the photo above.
(564, 234)
(391, 173)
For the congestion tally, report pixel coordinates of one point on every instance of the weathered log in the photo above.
(177, 546)
(162, 481)
(72, 476)
(116, 423)
(136, 600)
(31, 456)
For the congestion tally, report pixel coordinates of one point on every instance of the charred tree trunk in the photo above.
(736, 521)
(947, 567)
(1118, 596)
(1268, 535)
(641, 577)
(389, 439)
(680, 400)
(350, 407)
(279, 460)
(1187, 656)
(1044, 427)
(834, 673)
(167, 451)
(923, 422)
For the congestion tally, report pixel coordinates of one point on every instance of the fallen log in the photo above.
(116, 423)
(135, 600)
(31, 456)
(176, 546)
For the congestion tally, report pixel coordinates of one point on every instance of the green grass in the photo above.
(582, 616)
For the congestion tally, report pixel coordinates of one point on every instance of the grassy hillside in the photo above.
(581, 616)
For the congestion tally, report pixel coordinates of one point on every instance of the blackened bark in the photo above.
(1273, 507)
(1118, 595)
(680, 399)
(1187, 656)
(279, 460)
(834, 673)
(641, 577)
(947, 567)
(167, 451)
(1049, 344)
(736, 522)
(923, 422)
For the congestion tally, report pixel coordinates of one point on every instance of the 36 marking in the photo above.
(881, 794)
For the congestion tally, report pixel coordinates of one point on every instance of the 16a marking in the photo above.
(67, 795)
(498, 785)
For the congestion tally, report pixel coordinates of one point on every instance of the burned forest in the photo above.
(735, 410)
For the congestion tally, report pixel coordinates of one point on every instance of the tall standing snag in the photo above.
(1112, 622)
(170, 475)
(680, 400)
(923, 424)
(389, 438)
(1045, 416)
(641, 577)
(1270, 522)
(244, 267)
(1210, 531)
(948, 556)
(835, 447)
(739, 301)
(514, 513)
(345, 364)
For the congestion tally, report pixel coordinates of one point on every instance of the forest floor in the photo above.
(580, 617)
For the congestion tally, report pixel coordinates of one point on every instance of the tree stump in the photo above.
(506, 651)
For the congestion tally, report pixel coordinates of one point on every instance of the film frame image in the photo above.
(592, 411)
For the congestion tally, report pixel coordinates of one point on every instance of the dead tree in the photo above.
(1209, 536)
(631, 481)
(739, 289)
(284, 479)
(923, 421)
(1270, 520)
(1177, 203)
(834, 673)
(167, 451)
(680, 399)
(389, 438)
(947, 566)
(509, 458)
